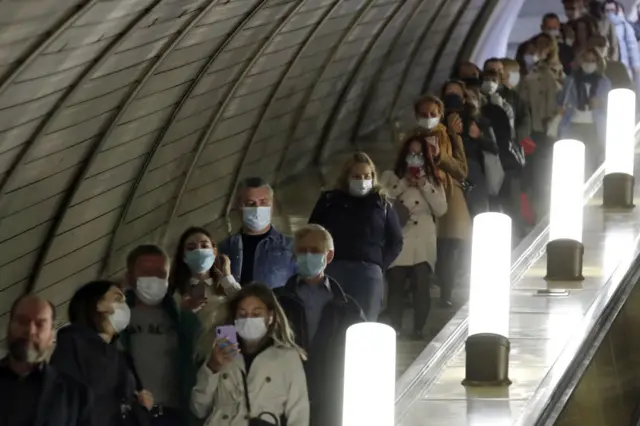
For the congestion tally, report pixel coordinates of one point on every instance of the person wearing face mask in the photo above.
(584, 108)
(33, 391)
(477, 137)
(201, 277)
(87, 350)
(455, 225)
(510, 93)
(491, 88)
(615, 71)
(160, 338)
(319, 312)
(577, 10)
(259, 252)
(421, 194)
(366, 231)
(629, 52)
(552, 26)
(469, 73)
(260, 380)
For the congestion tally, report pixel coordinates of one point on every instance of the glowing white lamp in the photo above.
(487, 346)
(565, 250)
(369, 375)
(618, 182)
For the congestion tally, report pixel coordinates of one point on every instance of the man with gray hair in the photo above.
(258, 252)
(319, 312)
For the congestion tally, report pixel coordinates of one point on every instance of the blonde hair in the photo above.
(359, 157)
(511, 64)
(432, 99)
(313, 228)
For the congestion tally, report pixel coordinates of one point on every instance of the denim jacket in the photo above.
(569, 99)
(273, 264)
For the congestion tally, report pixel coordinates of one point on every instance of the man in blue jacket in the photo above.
(258, 252)
(33, 392)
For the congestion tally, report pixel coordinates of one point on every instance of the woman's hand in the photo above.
(145, 398)
(595, 103)
(474, 131)
(224, 265)
(222, 354)
(454, 123)
(192, 304)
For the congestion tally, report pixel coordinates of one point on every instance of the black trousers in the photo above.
(419, 277)
(451, 266)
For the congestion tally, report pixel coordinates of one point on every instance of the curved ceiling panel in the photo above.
(123, 121)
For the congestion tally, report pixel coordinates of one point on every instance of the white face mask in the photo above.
(360, 187)
(530, 60)
(489, 87)
(256, 218)
(151, 290)
(589, 67)
(514, 78)
(415, 160)
(428, 122)
(251, 329)
(553, 33)
(120, 317)
(569, 42)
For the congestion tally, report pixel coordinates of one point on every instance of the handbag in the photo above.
(493, 172)
(259, 420)
(133, 413)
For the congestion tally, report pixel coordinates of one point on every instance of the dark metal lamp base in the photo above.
(564, 260)
(487, 360)
(617, 191)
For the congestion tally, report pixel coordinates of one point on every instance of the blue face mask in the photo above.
(199, 260)
(256, 218)
(310, 265)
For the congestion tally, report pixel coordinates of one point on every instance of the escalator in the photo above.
(601, 386)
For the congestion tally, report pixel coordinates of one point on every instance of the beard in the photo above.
(22, 350)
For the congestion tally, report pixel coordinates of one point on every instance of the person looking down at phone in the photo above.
(259, 380)
(160, 338)
(454, 227)
(319, 312)
(259, 252)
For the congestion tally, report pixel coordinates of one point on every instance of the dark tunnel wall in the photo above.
(122, 121)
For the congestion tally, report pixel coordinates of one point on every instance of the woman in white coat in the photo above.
(419, 198)
(259, 379)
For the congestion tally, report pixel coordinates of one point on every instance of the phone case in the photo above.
(227, 332)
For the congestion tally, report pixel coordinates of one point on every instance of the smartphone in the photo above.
(227, 332)
(199, 291)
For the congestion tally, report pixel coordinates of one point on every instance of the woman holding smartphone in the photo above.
(265, 367)
(202, 279)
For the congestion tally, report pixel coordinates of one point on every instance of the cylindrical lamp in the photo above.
(487, 346)
(565, 250)
(369, 375)
(618, 181)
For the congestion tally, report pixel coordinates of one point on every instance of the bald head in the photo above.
(31, 329)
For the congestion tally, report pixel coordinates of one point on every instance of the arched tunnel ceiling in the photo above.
(124, 121)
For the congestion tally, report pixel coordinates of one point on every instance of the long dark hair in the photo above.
(180, 271)
(400, 168)
(83, 308)
(279, 330)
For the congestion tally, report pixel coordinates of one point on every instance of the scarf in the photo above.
(444, 143)
(586, 94)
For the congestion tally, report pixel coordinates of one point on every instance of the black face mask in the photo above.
(472, 81)
(453, 102)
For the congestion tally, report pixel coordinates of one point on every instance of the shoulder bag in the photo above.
(259, 420)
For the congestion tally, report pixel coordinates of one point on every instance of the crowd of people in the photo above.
(250, 330)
